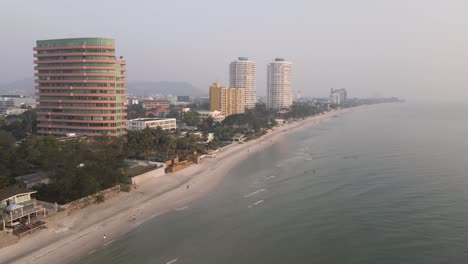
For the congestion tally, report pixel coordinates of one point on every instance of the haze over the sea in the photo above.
(410, 49)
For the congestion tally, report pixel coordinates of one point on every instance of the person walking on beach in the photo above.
(104, 236)
(187, 186)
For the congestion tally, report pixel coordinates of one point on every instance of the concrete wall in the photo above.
(179, 166)
(88, 200)
(139, 179)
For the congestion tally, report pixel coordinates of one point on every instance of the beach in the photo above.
(85, 231)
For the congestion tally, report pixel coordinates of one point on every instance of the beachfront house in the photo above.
(238, 137)
(33, 179)
(18, 208)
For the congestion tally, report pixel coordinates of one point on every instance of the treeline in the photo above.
(303, 110)
(149, 143)
(77, 168)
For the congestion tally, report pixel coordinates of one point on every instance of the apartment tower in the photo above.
(229, 101)
(81, 87)
(279, 90)
(242, 75)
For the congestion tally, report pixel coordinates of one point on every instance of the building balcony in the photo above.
(71, 88)
(46, 68)
(82, 107)
(123, 115)
(77, 101)
(80, 127)
(74, 47)
(77, 81)
(78, 121)
(62, 133)
(83, 94)
(109, 54)
(39, 62)
(81, 74)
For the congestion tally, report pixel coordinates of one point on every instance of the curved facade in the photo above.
(242, 75)
(279, 89)
(81, 87)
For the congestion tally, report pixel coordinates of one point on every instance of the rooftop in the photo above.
(33, 177)
(12, 191)
(74, 42)
(150, 119)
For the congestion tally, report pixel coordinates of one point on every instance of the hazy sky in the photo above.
(417, 49)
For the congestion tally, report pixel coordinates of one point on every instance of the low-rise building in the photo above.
(33, 179)
(16, 207)
(216, 115)
(152, 104)
(6, 103)
(280, 121)
(200, 136)
(132, 101)
(156, 108)
(238, 137)
(142, 123)
(20, 100)
(15, 111)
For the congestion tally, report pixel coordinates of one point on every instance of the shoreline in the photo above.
(82, 232)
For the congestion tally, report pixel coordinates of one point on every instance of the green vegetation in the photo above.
(191, 118)
(158, 144)
(78, 168)
(135, 111)
(20, 125)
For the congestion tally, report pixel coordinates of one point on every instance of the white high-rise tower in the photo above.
(242, 75)
(279, 90)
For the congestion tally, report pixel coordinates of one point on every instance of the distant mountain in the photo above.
(24, 87)
(138, 88)
(146, 88)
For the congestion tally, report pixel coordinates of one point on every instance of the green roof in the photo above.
(74, 42)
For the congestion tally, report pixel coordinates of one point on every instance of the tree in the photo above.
(7, 143)
(191, 118)
(135, 111)
(235, 120)
(173, 113)
(20, 125)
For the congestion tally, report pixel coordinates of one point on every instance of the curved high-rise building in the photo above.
(279, 90)
(242, 75)
(81, 87)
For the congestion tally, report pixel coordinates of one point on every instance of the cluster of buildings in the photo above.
(81, 85)
(241, 93)
(338, 96)
(155, 108)
(16, 104)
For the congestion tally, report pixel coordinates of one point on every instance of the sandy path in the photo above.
(82, 232)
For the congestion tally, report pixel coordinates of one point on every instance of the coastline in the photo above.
(81, 233)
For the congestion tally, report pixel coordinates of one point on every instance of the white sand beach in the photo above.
(82, 232)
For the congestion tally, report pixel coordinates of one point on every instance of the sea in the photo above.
(381, 184)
